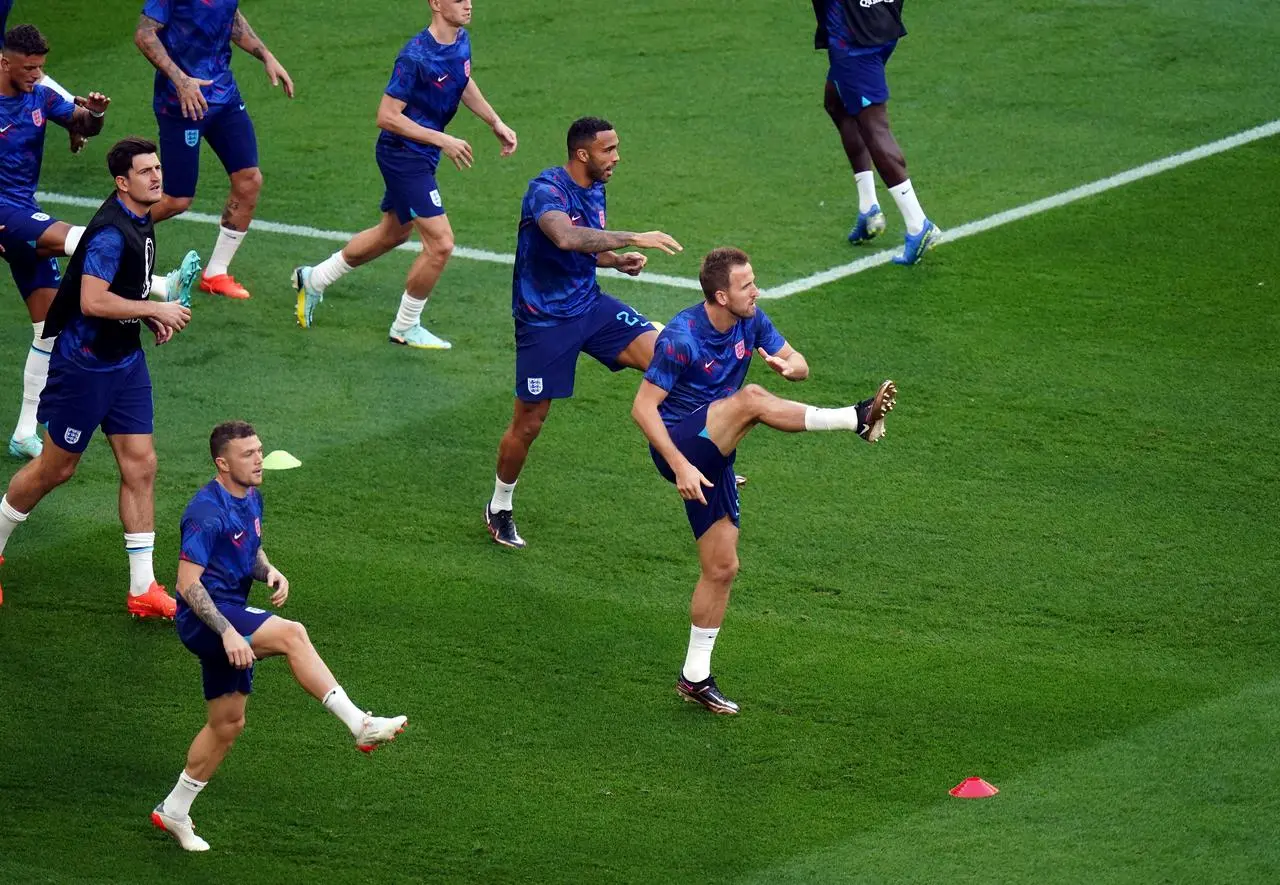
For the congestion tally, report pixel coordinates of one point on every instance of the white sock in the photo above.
(866, 182)
(410, 312)
(10, 519)
(178, 803)
(223, 251)
(159, 288)
(905, 196)
(831, 419)
(502, 492)
(337, 703)
(73, 240)
(139, 546)
(57, 87)
(33, 378)
(329, 271)
(697, 662)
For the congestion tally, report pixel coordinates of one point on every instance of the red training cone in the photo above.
(973, 788)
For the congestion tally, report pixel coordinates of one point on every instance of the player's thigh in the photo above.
(730, 419)
(860, 80)
(131, 414)
(179, 144)
(232, 138)
(411, 189)
(718, 544)
(73, 403)
(621, 337)
(226, 709)
(277, 636)
(435, 231)
(547, 360)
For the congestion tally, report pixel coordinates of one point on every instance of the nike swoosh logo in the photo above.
(238, 536)
(242, 106)
(7, 128)
(442, 79)
(709, 364)
(575, 218)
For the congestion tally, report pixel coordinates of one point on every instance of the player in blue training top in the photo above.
(30, 238)
(859, 37)
(77, 140)
(98, 374)
(431, 78)
(558, 306)
(694, 410)
(221, 557)
(196, 98)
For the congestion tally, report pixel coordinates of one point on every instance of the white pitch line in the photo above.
(1057, 200)
(336, 236)
(804, 284)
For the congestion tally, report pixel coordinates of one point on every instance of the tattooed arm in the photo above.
(243, 35)
(561, 231)
(193, 592)
(147, 39)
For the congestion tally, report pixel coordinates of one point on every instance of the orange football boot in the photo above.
(223, 284)
(155, 603)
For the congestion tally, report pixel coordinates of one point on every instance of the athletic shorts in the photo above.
(690, 437)
(229, 131)
(220, 677)
(860, 78)
(76, 401)
(24, 224)
(410, 180)
(547, 356)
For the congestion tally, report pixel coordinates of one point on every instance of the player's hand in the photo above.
(778, 364)
(78, 142)
(171, 314)
(506, 137)
(656, 239)
(277, 75)
(631, 263)
(94, 103)
(163, 332)
(280, 584)
(690, 481)
(191, 98)
(457, 150)
(239, 653)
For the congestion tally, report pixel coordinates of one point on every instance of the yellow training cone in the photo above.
(280, 460)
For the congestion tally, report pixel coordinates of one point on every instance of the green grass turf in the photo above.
(1055, 572)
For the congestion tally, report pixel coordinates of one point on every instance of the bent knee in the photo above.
(140, 469)
(722, 572)
(227, 730)
(247, 182)
(178, 205)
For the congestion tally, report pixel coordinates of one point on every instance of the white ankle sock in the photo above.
(329, 271)
(73, 240)
(831, 419)
(697, 661)
(502, 492)
(178, 803)
(410, 312)
(866, 182)
(905, 196)
(10, 519)
(337, 703)
(223, 251)
(33, 378)
(139, 546)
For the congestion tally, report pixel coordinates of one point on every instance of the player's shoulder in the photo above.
(204, 505)
(682, 332)
(548, 181)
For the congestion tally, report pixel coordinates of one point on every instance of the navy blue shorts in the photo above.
(229, 132)
(219, 676)
(546, 356)
(690, 437)
(860, 78)
(411, 191)
(24, 224)
(76, 401)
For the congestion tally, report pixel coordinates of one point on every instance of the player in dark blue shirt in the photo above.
(30, 238)
(221, 558)
(695, 412)
(859, 38)
(431, 78)
(98, 374)
(77, 140)
(558, 306)
(197, 99)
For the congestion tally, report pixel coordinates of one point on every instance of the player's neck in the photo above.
(138, 209)
(578, 173)
(445, 33)
(233, 488)
(719, 316)
(8, 90)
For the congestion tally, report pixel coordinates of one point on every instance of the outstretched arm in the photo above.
(243, 35)
(475, 101)
(561, 231)
(787, 362)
